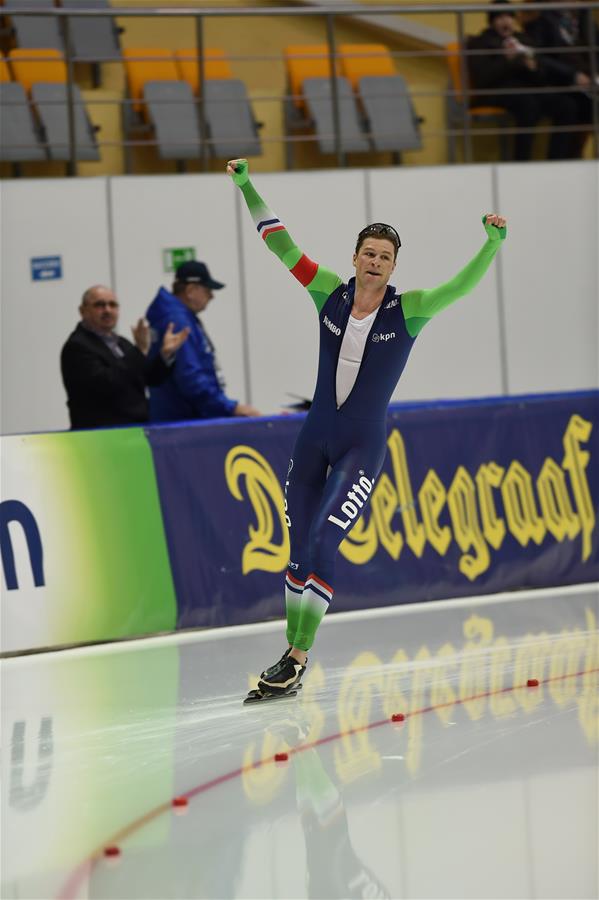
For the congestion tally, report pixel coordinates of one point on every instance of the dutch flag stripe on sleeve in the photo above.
(268, 226)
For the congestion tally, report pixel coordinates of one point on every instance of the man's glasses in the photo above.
(379, 229)
(100, 304)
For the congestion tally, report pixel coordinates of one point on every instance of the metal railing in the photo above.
(329, 15)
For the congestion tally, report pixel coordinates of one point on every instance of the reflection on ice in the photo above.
(483, 790)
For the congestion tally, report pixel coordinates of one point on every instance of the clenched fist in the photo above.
(495, 226)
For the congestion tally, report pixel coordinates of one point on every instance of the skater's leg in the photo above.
(306, 478)
(316, 598)
(293, 601)
(304, 486)
(345, 498)
(346, 494)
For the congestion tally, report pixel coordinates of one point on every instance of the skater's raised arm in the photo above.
(319, 281)
(420, 306)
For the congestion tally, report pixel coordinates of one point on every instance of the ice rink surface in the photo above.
(487, 788)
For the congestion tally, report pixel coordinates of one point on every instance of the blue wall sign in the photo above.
(46, 268)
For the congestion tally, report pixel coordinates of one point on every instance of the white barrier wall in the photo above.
(46, 218)
(532, 324)
(439, 216)
(550, 275)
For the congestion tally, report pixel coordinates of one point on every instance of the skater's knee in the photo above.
(322, 556)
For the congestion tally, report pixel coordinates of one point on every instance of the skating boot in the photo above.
(271, 669)
(279, 681)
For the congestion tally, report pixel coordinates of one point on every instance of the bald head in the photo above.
(99, 309)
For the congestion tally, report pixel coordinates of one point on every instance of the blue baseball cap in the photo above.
(195, 272)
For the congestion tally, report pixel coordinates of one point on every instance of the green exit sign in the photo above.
(172, 257)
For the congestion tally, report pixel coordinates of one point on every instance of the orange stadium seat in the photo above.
(309, 102)
(305, 61)
(162, 84)
(43, 75)
(231, 127)
(359, 60)
(216, 66)
(384, 97)
(30, 66)
(144, 64)
(4, 71)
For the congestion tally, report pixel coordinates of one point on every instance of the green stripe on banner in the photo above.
(106, 572)
(126, 534)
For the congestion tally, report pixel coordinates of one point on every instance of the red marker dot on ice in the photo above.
(281, 757)
(532, 682)
(397, 717)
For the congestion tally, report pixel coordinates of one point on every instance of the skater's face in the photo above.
(100, 309)
(374, 262)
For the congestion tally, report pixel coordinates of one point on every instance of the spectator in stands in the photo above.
(105, 375)
(196, 389)
(513, 63)
(553, 31)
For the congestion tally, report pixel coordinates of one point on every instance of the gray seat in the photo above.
(173, 112)
(19, 135)
(93, 39)
(34, 31)
(229, 119)
(51, 103)
(318, 95)
(393, 124)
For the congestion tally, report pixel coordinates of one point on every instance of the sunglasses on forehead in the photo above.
(379, 229)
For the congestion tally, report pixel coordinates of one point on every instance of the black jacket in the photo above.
(103, 390)
(546, 31)
(496, 71)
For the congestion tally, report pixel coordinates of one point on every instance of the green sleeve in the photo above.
(319, 281)
(419, 307)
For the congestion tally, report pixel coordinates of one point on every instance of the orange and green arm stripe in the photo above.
(319, 281)
(419, 307)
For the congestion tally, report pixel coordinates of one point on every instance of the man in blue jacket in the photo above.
(195, 389)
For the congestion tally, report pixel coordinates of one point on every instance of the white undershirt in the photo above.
(351, 353)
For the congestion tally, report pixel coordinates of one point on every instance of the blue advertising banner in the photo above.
(475, 497)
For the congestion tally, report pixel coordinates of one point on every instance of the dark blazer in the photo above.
(544, 31)
(496, 71)
(103, 390)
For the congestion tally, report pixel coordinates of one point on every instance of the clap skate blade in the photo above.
(257, 696)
